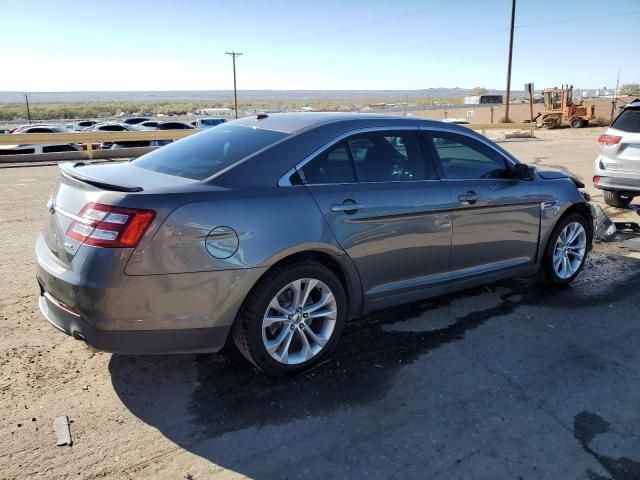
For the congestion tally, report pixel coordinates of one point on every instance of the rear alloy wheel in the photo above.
(292, 319)
(566, 251)
(617, 199)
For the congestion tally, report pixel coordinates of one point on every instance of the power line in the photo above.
(569, 20)
(474, 35)
(412, 15)
(235, 90)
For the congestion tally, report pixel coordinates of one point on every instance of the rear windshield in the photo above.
(628, 121)
(207, 153)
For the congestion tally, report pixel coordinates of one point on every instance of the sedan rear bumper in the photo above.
(133, 341)
(94, 300)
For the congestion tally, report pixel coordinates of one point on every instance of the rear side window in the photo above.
(40, 130)
(464, 158)
(207, 153)
(331, 166)
(628, 121)
(172, 126)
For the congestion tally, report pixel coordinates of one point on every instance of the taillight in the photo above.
(106, 226)
(596, 180)
(608, 140)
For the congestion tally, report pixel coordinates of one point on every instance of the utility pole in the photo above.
(26, 99)
(235, 91)
(508, 99)
(614, 99)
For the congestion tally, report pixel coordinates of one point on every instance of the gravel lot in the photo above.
(504, 381)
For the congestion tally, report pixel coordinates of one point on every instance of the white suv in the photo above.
(617, 169)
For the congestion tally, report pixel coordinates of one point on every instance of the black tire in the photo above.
(576, 123)
(550, 122)
(616, 199)
(247, 329)
(549, 275)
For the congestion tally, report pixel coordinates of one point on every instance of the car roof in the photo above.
(633, 104)
(293, 122)
(51, 126)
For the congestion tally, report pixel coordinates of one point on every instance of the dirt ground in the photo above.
(518, 112)
(504, 381)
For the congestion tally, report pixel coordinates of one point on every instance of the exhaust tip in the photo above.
(78, 336)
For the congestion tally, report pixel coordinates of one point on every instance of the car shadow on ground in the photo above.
(195, 398)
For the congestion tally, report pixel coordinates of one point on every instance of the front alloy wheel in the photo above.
(566, 251)
(569, 251)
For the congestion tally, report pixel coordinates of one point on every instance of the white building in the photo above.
(218, 112)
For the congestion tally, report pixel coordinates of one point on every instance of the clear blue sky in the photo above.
(328, 44)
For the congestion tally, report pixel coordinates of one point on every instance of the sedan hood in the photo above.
(555, 174)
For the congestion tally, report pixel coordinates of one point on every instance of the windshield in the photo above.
(207, 153)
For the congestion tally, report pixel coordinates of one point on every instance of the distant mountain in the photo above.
(244, 95)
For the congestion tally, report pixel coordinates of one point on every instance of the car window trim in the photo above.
(509, 161)
(285, 181)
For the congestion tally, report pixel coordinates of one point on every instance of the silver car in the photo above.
(617, 169)
(276, 229)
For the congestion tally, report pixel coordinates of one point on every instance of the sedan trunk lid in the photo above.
(106, 184)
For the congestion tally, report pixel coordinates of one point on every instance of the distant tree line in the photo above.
(17, 111)
(630, 89)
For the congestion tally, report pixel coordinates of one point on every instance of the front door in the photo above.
(496, 217)
(388, 212)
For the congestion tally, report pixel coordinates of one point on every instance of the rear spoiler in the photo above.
(70, 170)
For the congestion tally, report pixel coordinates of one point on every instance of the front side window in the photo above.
(368, 157)
(464, 158)
(387, 157)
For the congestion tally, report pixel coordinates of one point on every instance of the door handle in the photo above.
(471, 197)
(348, 207)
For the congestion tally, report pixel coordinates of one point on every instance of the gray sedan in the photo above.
(276, 229)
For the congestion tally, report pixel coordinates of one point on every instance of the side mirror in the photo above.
(524, 172)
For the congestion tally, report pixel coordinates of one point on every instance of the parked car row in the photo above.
(43, 148)
(129, 124)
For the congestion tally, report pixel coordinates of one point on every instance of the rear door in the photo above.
(387, 210)
(496, 218)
